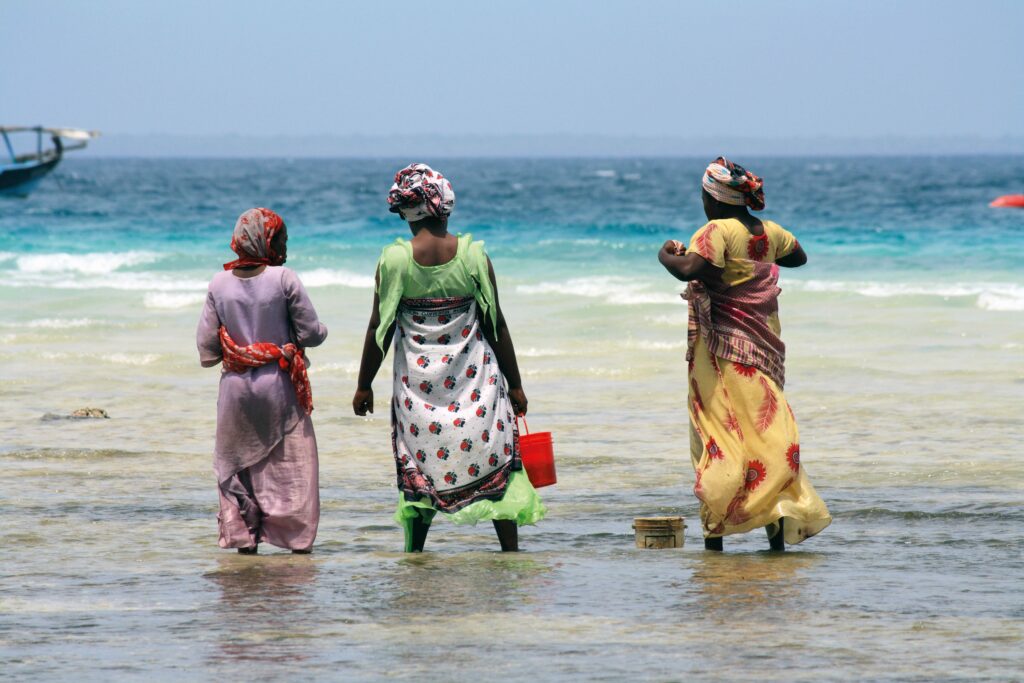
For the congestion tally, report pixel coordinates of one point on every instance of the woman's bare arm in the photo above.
(372, 358)
(793, 259)
(686, 265)
(504, 351)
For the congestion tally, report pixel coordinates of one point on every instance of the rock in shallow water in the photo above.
(80, 414)
(90, 412)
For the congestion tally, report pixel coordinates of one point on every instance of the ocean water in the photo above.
(905, 337)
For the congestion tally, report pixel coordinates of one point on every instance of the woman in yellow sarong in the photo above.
(744, 442)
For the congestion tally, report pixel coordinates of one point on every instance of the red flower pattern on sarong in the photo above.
(793, 457)
(714, 450)
(289, 358)
(703, 244)
(698, 404)
(733, 425)
(735, 513)
(769, 406)
(757, 247)
(755, 475)
(745, 370)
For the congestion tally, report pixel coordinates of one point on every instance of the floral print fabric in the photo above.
(744, 442)
(453, 434)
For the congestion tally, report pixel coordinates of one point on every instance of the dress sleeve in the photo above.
(309, 331)
(391, 265)
(709, 243)
(208, 332)
(477, 267)
(783, 240)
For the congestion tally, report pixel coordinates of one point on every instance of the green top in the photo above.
(401, 277)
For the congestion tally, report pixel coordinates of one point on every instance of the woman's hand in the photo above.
(674, 247)
(518, 398)
(362, 402)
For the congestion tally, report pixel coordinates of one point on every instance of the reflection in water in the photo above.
(259, 597)
(470, 583)
(732, 586)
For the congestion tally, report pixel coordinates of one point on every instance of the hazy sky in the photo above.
(475, 67)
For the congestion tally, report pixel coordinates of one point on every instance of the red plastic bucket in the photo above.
(538, 456)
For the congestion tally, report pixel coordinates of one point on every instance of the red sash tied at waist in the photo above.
(289, 358)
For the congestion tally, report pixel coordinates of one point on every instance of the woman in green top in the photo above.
(453, 428)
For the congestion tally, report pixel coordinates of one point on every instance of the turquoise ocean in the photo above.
(905, 336)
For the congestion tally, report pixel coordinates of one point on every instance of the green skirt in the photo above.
(520, 503)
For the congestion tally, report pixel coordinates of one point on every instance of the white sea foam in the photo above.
(605, 173)
(53, 323)
(613, 289)
(172, 300)
(324, 277)
(118, 358)
(656, 345)
(990, 296)
(533, 352)
(7, 256)
(123, 281)
(57, 323)
(131, 358)
(349, 368)
(1001, 301)
(88, 264)
(669, 320)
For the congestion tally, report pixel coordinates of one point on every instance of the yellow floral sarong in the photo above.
(744, 441)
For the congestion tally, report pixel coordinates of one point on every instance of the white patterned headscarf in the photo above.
(420, 191)
(730, 183)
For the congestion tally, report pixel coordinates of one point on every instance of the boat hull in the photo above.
(1009, 201)
(20, 181)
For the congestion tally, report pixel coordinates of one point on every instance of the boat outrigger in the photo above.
(22, 172)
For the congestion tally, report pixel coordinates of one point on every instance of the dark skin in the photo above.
(433, 245)
(684, 265)
(279, 244)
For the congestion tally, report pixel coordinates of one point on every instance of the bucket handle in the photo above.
(525, 423)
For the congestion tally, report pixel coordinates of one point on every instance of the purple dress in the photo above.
(265, 455)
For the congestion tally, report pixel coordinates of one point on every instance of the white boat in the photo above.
(20, 173)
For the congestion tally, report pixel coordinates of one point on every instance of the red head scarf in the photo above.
(251, 239)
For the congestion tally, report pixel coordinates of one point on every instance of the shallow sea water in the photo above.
(905, 336)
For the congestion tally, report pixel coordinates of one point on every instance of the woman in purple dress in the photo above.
(257, 320)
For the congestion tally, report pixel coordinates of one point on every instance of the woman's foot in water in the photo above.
(713, 544)
(508, 535)
(251, 550)
(419, 535)
(304, 551)
(776, 541)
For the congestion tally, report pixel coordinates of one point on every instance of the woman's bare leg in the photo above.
(776, 541)
(508, 535)
(713, 543)
(419, 534)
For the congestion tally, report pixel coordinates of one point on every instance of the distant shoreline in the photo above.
(157, 145)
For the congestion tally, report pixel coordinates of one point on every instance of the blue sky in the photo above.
(645, 68)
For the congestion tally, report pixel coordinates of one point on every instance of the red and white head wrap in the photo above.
(420, 191)
(730, 183)
(251, 239)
